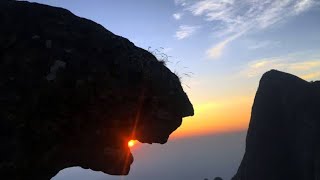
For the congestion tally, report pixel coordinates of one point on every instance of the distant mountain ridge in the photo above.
(283, 140)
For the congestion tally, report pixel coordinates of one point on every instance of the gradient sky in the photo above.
(220, 48)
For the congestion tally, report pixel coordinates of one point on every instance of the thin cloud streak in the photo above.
(216, 51)
(185, 31)
(232, 17)
(264, 44)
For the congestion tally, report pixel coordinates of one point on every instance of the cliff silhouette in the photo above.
(283, 137)
(74, 93)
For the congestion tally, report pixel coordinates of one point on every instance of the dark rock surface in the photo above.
(283, 138)
(73, 94)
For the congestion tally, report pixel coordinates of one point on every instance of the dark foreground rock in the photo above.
(73, 94)
(283, 139)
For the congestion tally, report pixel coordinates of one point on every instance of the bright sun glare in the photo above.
(131, 143)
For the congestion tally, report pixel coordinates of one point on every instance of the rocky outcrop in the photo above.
(73, 94)
(283, 137)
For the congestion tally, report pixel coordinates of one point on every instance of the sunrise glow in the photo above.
(131, 143)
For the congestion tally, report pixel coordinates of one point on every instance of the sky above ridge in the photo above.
(220, 49)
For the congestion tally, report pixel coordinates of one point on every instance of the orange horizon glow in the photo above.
(214, 117)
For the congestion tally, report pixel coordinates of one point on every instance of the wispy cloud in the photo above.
(177, 16)
(231, 17)
(180, 2)
(216, 50)
(185, 31)
(264, 44)
(307, 69)
(303, 5)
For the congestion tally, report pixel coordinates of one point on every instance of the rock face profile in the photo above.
(283, 139)
(73, 94)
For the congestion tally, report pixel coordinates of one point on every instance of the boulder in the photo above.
(283, 137)
(73, 94)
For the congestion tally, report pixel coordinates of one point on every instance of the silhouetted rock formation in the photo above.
(283, 137)
(73, 94)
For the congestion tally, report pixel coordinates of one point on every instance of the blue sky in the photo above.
(226, 45)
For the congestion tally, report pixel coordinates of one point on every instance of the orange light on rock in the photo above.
(131, 143)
